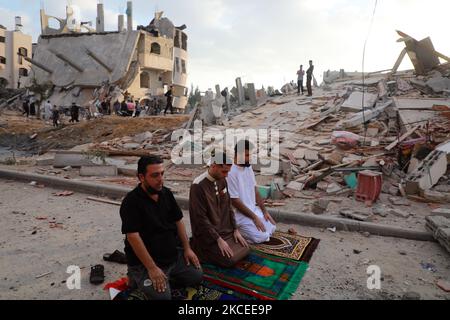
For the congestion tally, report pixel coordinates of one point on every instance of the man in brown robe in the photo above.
(215, 237)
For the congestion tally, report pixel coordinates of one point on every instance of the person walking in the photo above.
(169, 101)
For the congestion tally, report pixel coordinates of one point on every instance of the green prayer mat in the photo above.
(260, 275)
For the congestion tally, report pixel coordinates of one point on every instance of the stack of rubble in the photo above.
(440, 228)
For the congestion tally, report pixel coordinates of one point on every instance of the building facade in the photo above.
(14, 45)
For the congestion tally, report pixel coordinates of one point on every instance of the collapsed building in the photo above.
(97, 65)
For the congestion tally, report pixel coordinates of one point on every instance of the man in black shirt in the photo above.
(309, 76)
(152, 222)
(169, 101)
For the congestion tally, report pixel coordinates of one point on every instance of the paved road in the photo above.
(30, 247)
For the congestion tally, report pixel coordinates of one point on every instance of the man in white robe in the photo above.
(254, 222)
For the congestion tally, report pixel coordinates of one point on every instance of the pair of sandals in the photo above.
(97, 275)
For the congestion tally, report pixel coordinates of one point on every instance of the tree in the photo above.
(41, 91)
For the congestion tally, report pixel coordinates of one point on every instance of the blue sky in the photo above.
(264, 41)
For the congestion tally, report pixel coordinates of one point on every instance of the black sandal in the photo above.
(116, 256)
(97, 274)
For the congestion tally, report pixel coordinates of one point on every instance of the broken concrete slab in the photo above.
(355, 101)
(351, 214)
(399, 201)
(98, 171)
(439, 84)
(297, 186)
(419, 104)
(366, 116)
(443, 212)
(399, 213)
(141, 137)
(311, 155)
(435, 196)
(45, 159)
(432, 168)
(71, 159)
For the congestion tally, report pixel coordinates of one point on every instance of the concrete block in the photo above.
(432, 168)
(252, 93)
(240, 91)
(100, 171)
(71, 159)
(354, 102)
(45, 159)
(442, 212)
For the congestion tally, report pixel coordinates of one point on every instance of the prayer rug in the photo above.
(289, 246)
(260, 275)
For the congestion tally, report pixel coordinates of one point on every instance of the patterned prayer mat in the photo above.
(289, 246)
(210, 291)
(260, 275)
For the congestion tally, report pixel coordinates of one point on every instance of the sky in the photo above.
(265, 41)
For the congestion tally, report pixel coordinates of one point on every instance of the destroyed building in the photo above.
(97, 65)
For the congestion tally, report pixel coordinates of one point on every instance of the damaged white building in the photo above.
(88, 66)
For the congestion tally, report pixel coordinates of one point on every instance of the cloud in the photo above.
(264, 41)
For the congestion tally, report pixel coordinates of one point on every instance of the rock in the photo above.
(400, 213)
(411, 296)
(393, 190)
(333, 188)
(366, 234)
(67, 168)
(399, 201)
(139, 138)
(131, 146)
(379, 211)
(403, 253)
(349, 213)
(356, 251)
(320, 206)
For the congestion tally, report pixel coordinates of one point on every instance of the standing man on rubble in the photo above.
(26, 108)
(309, 77)
(74, 112)
(47, 110)
(300, 75)
(169, 100)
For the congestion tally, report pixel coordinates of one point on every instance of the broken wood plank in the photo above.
(402, 138)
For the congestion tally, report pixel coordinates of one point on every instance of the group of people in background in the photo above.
(309, 78)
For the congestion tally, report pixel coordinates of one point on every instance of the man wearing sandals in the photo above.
(156, 245)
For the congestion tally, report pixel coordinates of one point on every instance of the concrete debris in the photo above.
(351, 214)
(99, 171)
(354, 102)
(432, 168)
(439, 226)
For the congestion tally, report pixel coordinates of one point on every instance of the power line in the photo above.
(363, 63)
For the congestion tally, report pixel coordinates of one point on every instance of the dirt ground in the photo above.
(15, 130)
(86, 230)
